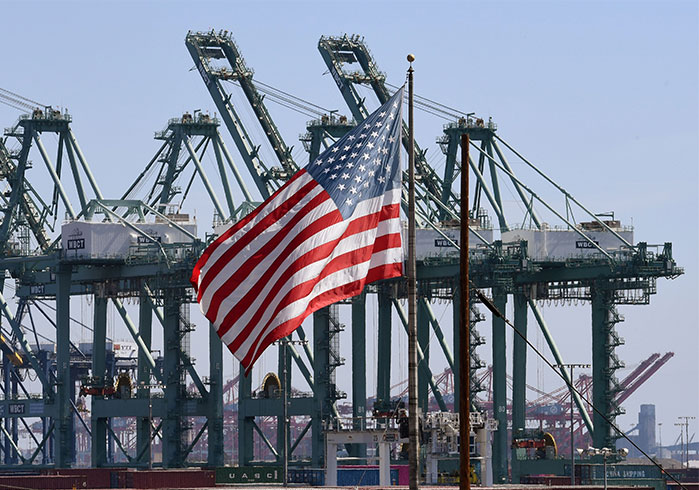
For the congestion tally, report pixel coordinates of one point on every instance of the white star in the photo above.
(326, 170)
(353, 155)
(342, 187)
(343, 157)
(375, 134)
(349, 202)
(370, 145)
(358, 179)
(378, 124)
(351, 137)
(384, 150)
(333, 176)
(371, 173)
(377, 161)
(345, 176)
(350, 164)
(363, 135)
(382, 114)
(391, 139)
(319, 161)
(391, 116)
(383, 137)
(366, 184)
(362, 168)
(334, 150)
(382, 179)
(346, 148)
(366, 156)
(331, 159)
(353, 190)
(337, 167)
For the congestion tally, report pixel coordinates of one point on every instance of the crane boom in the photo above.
(207, 46)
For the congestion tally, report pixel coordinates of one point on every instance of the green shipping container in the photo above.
(249, 474)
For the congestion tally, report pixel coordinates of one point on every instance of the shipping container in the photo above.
(554, 244)
(170, 479)
(43, 482)
(100, 240)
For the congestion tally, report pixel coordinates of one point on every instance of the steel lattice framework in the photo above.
(156, 274)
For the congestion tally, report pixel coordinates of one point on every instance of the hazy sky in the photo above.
(603, 96)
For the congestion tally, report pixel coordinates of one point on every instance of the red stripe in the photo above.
(385, 271)
(234, 229)
(258, 256)
(251, 234)
(299, 291)
(314, 255)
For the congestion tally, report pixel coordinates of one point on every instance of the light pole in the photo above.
(605, 452)
(571, 367)
(150, 388)
(284, 344)
(685, 424)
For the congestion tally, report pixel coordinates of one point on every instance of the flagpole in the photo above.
(464, 329)
(414, 443)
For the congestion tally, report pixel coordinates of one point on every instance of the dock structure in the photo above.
(141, 249)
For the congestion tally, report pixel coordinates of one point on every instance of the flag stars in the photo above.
(345, 176)
(357, 179)
(335, 149)
(375, 134)
(353, 190)
(349, 202)
(362, 168)
(370, 145)
(342, 187)
(331, 159)
(333, 176)
(346, 148)
(382, 179)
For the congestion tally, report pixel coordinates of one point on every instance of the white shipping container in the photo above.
(430, 243)
(100, 240)
(565, 244)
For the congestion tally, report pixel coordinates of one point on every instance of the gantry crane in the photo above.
(605, 278)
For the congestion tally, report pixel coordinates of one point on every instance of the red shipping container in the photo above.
(43, 482)
(171, 479)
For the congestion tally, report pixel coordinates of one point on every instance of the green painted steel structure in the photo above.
(158, 277)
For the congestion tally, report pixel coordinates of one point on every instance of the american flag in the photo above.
(332, 228)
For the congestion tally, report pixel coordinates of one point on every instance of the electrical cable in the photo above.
(33, 102)
(494, 310)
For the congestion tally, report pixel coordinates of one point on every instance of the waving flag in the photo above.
(332, 228)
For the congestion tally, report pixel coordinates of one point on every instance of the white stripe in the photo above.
(312, 270)
(332, 281)
(237, 261)
(269, 206)
(304, 275)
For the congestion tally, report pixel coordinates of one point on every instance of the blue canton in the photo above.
(365, 163)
